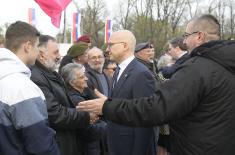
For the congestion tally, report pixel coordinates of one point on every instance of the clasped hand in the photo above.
(94, 107)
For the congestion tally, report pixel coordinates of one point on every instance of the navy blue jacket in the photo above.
(136, 81)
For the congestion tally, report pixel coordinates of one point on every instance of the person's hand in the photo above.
(93, 118)
(93, 106)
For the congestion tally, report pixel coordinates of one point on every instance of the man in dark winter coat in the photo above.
(63, 117)
(144, 52)
(198, 101)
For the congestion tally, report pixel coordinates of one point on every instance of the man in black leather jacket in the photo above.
(63, 117)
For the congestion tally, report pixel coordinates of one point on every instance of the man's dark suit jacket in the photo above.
(135, 81)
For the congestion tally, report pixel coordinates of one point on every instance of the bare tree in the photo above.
(156, 20)
(212, 6)
(93, 20)
(144, 26)
(125, 10)
(192, 7)
(231, 23)
(176, 14)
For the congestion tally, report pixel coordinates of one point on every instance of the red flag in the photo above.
(53, 8)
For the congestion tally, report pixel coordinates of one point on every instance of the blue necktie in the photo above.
(115, 76)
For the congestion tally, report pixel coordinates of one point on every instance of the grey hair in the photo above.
(209, 24)
(89, 51)
(68, 72)
(164, 61)
(43, 40)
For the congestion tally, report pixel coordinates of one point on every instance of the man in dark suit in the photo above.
(178, 51)
(131, 80)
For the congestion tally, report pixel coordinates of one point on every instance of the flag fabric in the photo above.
(76, 26)
(32, 16)
(108, 29)
(53, 8)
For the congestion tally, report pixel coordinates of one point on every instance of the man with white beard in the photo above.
(63, 117)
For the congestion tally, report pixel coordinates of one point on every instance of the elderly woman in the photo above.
(76, 81)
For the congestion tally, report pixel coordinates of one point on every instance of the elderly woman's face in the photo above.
(80, 81)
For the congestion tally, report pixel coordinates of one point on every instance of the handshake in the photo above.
(94, 107)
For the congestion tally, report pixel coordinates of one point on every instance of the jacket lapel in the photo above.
(126, 73)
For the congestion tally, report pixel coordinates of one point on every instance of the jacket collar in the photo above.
(53, 75)
(220, 51)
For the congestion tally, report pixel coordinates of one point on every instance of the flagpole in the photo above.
(71, 34)
(64, 29)
(81, 27)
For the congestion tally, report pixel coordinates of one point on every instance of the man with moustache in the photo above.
(63, 116)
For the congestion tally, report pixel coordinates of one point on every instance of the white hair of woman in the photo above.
(68, 72)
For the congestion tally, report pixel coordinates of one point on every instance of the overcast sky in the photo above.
(13, 10)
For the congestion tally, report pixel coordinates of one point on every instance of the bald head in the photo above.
(201, 30)
(208, 24)
(127, 37)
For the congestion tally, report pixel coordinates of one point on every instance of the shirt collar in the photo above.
(126, 62)
(183, 53)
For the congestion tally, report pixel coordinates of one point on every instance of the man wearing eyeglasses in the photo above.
(131, 80)
(197, 102)
(96, 77)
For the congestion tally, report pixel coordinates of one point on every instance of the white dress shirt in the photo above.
(124, 64)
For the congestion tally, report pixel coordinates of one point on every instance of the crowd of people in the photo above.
(122, 101)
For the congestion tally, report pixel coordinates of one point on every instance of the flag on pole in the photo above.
(76, 26)
(53, 8)
(32, 16)
(108, 30)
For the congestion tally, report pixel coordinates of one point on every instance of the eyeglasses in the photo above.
(95, 58)
(112, 68)
(186, 34)
(111, 44)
